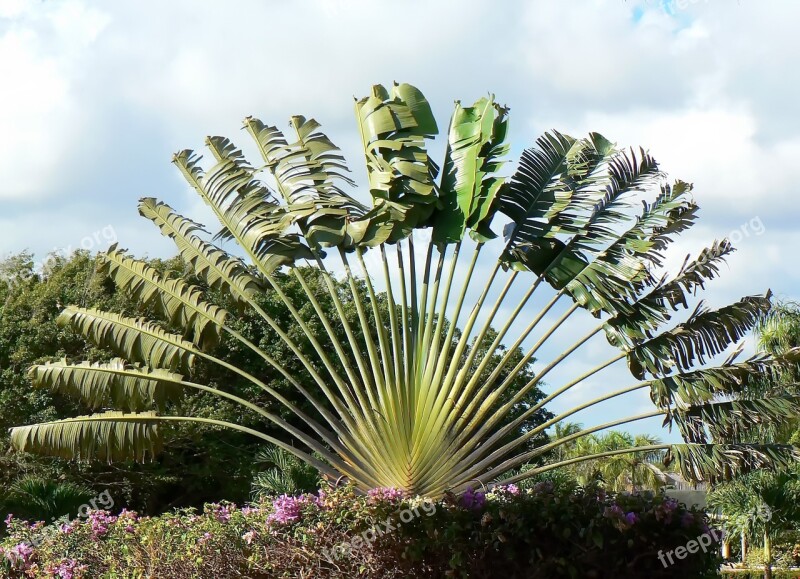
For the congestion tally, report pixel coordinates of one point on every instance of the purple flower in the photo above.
(665, 510)
(223, 512)
(204, 539)
(473, 499)
(621, 520)
(614, 512)
(687, 520)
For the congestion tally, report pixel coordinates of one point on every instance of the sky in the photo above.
(97, 96)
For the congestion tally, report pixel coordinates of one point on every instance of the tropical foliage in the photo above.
(405, 403)
(762, 507)
(759, 506)
(618, 472)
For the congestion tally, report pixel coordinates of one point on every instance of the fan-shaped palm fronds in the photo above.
(286, 475)
(412, 383)
(41, 499)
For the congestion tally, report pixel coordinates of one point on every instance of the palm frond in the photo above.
(705, 334)
(135, 339)
(115, 384)
(215, 267)
(394, 125)
(243, 208)
(181, 304)
(733, 420)
(110, 436)
(469, 185)
(709, 462)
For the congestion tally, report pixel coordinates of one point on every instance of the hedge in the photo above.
(541, 532)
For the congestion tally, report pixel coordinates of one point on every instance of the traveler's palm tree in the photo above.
(403, 406)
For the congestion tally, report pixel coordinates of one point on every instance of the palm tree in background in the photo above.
(619, 471)
(563, 430)
(759, 506)
(583, 222)
(635, 471)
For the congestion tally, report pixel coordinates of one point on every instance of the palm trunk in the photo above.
(767, 555)
(744, 547)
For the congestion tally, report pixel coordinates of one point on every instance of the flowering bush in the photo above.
(541, 532)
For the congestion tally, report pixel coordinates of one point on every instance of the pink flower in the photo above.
(511, 489)
(249, 536)
(288, 509)
(20, 556)
(67, 569)
(100, 521)
(385, 494)
(204, 539)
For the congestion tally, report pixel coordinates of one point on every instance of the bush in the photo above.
(541, 532)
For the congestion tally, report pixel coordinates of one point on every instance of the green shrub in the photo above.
(540, 532)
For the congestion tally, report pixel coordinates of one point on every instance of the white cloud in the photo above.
(38, 109)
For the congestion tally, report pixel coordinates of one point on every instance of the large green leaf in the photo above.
(733, 420)
(704, 335)
(394, 125)
(110, 436)
(181, 304)
(652, 310)
(113, 384)
(135, 339)
(476, 144)
(215, 267)
(618, 275)
(243, 207)
(308, 173)
(712, 462)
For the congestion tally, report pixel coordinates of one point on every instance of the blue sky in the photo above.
(97, 96)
